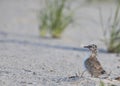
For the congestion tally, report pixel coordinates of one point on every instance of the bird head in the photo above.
(91, 47)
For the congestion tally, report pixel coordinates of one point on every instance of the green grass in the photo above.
(113, 32)
(102, 83)
(54, 18)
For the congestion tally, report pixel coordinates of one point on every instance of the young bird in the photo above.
(92, 64)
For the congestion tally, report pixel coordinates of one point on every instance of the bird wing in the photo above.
(97, 66)
(94, 64)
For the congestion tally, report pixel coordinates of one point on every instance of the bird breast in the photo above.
(85, 58)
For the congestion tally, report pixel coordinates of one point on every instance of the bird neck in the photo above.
(94, 53)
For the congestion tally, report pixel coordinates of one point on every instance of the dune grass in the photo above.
(102, 83)
(54, 18)
(112, 33)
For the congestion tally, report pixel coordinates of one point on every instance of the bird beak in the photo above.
(86, 46)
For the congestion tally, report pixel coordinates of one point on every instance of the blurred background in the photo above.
(76, 22)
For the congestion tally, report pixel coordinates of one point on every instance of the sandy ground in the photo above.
(29, 60)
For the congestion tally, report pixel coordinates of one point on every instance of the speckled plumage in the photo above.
(92, 64)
